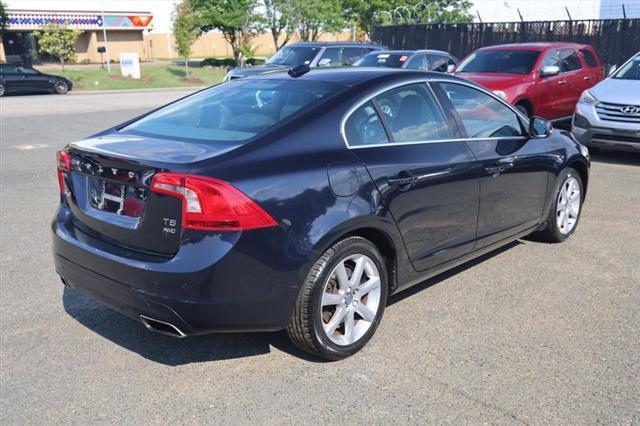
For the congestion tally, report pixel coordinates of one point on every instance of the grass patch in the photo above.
(152, 76)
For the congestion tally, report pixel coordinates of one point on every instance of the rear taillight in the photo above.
(211, 204)
(64, 166)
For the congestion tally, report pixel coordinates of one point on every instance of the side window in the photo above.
(413, 114)
(364, 127)
(482, 115)
(418, 62)
(438, 63)
(569, 60)
(8, 69)
(589, 58)
(330, 57)
(552, 59)
(352, 54)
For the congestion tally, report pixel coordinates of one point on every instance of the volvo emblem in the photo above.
(630, 109)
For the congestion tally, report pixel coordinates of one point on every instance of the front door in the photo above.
(424, 172)
(514, 170)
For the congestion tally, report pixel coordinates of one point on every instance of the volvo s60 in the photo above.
(303, 200)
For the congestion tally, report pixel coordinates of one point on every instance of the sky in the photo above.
(489, 10)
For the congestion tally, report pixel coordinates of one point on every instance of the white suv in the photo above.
(608, 114)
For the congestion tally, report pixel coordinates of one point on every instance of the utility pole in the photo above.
(104, 36)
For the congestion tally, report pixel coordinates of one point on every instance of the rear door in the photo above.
(514, 170)
(593, 68)
(573, 74)
(424, 172)
(12, 78)
(35, 81)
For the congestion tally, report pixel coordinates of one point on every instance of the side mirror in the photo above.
(450, 68)
(324, 62)
(612, 70)
(550, 71)
(539, 127)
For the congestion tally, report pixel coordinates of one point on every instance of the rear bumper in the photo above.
(215, 283)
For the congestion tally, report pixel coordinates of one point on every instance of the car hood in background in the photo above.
(248, 71)
(495, 81)
(617, 91)
(151, 149)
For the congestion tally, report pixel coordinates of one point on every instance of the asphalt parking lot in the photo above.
(532, 333)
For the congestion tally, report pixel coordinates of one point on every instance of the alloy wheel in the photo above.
(568, 205)
(350, 299)
(61, 87)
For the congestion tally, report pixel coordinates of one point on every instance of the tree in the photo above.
(185, 30)
(237, 20)
(3, 19)
(280, 19)
(362, 12)
(59, 41)
(318, 16)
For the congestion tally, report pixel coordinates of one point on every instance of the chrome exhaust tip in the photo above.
(162, 327)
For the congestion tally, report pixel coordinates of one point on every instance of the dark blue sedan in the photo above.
(302, 200)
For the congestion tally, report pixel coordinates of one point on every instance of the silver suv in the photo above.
(608, 114)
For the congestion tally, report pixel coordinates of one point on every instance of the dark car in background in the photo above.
(426, 60)
(544, 79)
(275, 202)
(16, 79)
(313, 54)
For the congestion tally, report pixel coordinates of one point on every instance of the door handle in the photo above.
(407, 178)
(562, 82)
(587, 78)
(506, 161)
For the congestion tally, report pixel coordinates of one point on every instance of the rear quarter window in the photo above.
(589, 58)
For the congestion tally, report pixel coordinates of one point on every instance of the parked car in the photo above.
(543, 79)
(18, 79)
(291, 202)
(608, 114)
(314, 54)
(426, 60)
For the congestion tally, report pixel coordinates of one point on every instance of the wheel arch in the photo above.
(527, 103)
(583, 171)
(378, 232)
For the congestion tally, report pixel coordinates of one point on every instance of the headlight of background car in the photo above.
(500, 94)
(587, 98)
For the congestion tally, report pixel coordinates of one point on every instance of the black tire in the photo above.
(551, 232)
(523, 109)
(3, 90)
(306, 326)
(60, 87)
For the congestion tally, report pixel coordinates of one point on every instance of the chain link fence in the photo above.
(615, 40)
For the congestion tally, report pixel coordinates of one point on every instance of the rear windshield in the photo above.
(292, 56)
(630, 71)
(233, 112)
(500, 61)
(388, 60)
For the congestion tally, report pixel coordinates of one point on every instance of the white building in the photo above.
(553, 10)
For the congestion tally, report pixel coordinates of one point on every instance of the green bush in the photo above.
(229, 62)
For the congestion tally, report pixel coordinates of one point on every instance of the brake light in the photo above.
(64, 166)
(211, 204)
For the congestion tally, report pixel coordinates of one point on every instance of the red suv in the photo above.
(543, 79)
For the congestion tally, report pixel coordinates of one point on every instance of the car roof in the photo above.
(410, 52)
(539, 47)
(353, 76)
(334, 43)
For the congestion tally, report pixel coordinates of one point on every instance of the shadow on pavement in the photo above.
(448, 274)
(131, 334)
(616, 157)
(167, 350)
